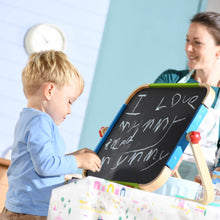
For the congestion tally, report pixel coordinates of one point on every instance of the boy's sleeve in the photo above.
(48, 154)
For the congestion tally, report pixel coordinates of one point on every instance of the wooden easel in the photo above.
(125, 166)
(208, 196)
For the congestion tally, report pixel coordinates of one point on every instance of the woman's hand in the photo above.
(198, 178)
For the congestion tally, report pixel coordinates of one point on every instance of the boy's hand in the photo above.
(87, 159)
(197, 179)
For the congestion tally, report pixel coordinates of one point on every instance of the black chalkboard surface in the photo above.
(148, 134)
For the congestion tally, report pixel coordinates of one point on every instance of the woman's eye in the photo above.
(198, 42)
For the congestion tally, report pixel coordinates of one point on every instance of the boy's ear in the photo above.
(49, 90)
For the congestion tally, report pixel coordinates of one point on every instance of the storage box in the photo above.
(94, 198)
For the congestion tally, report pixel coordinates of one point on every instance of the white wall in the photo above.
(82, 23)
(213, 5)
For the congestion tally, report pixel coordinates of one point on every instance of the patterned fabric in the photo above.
(98, 199)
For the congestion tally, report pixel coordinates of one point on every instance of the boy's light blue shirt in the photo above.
(38, 163)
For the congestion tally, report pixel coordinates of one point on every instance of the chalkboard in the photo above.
(149, 132)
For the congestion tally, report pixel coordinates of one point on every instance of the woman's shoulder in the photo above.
(171, 76)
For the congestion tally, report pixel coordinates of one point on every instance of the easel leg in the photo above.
(177, 175)
(194, 138)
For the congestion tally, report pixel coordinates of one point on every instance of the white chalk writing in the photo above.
(130, 130)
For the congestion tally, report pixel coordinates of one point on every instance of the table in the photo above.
(4, 164)
(93, 198)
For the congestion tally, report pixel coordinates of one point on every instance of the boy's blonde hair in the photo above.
(49, 66)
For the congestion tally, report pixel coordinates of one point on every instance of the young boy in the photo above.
(38, 163)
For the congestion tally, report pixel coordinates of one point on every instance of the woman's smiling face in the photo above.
(200, 47)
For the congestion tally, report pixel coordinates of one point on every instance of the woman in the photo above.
(203, 52)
